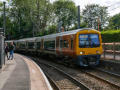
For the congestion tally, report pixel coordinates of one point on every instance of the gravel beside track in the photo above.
(62, 80)
(115, 78)
(91, 82)
(77, 72)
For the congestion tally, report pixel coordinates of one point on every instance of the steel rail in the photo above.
(109, 73)
(53, 83)
(101, 79)
(78, 83)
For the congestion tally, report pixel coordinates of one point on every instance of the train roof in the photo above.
(8, 41)
(52, 36)
(66, 33)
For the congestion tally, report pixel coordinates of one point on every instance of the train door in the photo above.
(58, 45)
(42, 44)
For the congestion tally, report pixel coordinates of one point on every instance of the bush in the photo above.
(111, 36)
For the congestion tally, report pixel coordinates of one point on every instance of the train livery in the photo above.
(82, 46)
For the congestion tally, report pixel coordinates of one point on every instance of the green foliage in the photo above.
(114, 22)
(65, 11)
(94, 14)
(52, 29)
(111, 36)
(30, 17)
(27, 18)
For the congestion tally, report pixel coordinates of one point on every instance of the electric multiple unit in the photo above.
(82, 46)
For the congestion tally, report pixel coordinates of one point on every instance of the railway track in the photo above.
(53, 83)
(67, 81)
(116, 77)
(108, 72)
(100, 77)
(89, 79)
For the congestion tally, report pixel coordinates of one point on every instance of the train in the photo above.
(82, 47)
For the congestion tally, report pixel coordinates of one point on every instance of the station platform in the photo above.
(22, 73)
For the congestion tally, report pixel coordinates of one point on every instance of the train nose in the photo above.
(88, 60)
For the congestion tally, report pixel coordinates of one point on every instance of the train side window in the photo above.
(30, 45)
(52, 44)
(66, 44)
(38, 45)
(22, 45)
(71, 43)
(49, 45)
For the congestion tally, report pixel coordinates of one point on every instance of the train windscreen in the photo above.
(89, 40)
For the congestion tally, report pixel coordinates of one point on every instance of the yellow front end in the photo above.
(88, 55)
(88, 51)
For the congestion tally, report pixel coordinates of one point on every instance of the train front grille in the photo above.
(89, 60)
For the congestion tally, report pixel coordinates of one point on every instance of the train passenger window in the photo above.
(66, 44)
(71, 43)
(30, 45)
(22, 45)
(38, 45)
(49, 45)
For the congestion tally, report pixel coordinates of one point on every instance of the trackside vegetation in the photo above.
(111, 36)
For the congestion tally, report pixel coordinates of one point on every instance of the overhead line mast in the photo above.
(78, 17)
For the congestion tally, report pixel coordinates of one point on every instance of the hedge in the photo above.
(111, 36)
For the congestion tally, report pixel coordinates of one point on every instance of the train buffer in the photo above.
(22, 73)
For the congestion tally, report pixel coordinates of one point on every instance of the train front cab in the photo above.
(88, 47)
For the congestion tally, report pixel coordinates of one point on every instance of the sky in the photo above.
(114, 5)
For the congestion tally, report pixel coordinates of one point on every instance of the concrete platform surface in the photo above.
(23, 74)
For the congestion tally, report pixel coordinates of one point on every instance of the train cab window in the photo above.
(71, 43)
(38, 45)
(66, 44)
(89, 40)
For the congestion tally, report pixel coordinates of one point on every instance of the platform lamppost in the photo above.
(4, 26)
(4, 17)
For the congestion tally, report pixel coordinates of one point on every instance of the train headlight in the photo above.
(97, 52)
(81, 53)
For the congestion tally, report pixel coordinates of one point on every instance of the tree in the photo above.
(114, 22)
(94, 14)
(30, 16)
(40, 14)
(65, 11)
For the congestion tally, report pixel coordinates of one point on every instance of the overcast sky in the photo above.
(114, 5)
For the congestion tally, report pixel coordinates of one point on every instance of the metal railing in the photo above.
(112, 49)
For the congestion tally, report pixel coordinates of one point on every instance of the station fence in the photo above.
(111, 50)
